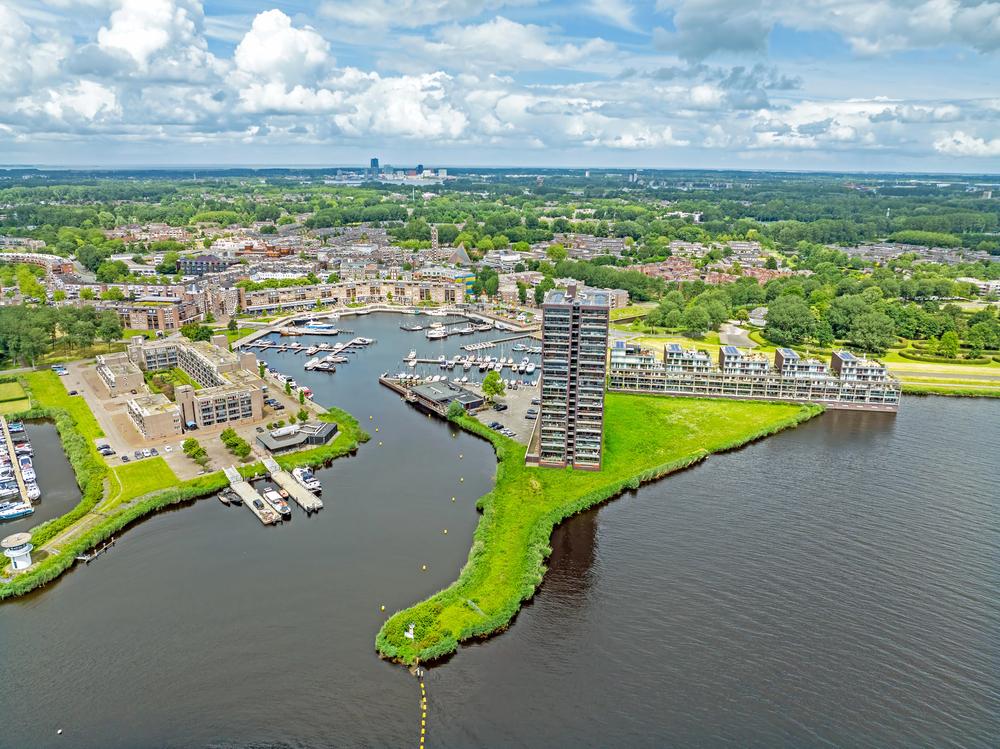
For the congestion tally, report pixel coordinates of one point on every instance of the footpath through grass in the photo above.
(645, 437)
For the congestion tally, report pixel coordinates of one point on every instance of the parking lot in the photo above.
(514, 417)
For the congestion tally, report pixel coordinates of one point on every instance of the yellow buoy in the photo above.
(370, 418)
(446, 531)
(452, 499)
(380, 443)
(460, 456)
(461, 478)
(376, 429)
(423, 567)
(382, 607)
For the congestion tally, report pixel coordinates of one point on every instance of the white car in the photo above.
(146, 453)
(168, 449)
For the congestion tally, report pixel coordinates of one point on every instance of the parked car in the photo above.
(168, 448)
(137, 454)
(73, 392)
(125, 458)
(154, 452)
(536, 401)
(146, 452)
(499, 406)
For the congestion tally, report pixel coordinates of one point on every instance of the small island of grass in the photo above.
(645, 437)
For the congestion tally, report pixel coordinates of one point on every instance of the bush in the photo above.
(941, 359)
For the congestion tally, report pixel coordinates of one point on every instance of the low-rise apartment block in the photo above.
(854, 383)
(154, 416)
(342, 294)
(118, 374)
(227, 387)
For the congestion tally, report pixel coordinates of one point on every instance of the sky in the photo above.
(845, 85)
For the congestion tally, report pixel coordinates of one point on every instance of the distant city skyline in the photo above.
(863, 85)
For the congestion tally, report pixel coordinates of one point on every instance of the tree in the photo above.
(261, 369)
(695, 320)
(948, 345)
(771, 263)
(492, 385)
(544, 286)
(196, 332)
(110, 328)
(232, 325)
(58, 295)
(556, 253)
(288, 388)
(114, 294)
(302, 396)
(492, 286)
(522, 292)
(873, 331)
(455, 410)
(789, 320)
(86, 293)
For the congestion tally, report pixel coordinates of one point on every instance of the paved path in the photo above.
(733, 335)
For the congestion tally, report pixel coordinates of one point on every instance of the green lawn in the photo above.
(132, 480)
(47, 390)
(11, 391)
(645, 437)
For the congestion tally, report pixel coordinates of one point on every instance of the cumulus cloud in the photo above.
(960, 143)
(85, 100)
(277, 51)
(502, 44)
(616, 12)
(703, 27)
(142, 29)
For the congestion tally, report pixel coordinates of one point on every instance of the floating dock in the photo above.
(21, 488)
(248, 494)
(302, 496)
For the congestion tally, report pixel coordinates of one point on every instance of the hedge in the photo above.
(942, 359)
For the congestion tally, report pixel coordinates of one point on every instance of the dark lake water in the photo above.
(835, 585)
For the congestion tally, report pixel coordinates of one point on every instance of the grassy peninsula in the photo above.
(645, 437)
(114, 497)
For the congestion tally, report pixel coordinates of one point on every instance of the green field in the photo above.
(11, 391)
(48, 391)
(645, 437)
(136, 479)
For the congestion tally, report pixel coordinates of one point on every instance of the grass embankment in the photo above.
(135, 490)
(646, 437)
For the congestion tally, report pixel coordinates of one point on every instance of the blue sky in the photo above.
(898, 85)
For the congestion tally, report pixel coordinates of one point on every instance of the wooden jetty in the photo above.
(248, 494)
(13, 461)
(302, 496)
(492, 344)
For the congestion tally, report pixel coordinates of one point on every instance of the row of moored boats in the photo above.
(14, 504)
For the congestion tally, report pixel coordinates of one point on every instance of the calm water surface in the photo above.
(836, 585)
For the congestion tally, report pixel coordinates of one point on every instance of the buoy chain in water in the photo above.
(423, 714)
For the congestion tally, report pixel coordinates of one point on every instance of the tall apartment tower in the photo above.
(574, 361)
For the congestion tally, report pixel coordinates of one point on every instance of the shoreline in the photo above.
(438, 640)
(91, 472)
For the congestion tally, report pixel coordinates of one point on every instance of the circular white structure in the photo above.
(18, 547)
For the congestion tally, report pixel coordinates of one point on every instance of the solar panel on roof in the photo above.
(673, 347)
(846, 355)
(730, 349)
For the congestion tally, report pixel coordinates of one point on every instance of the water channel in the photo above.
(835, 585)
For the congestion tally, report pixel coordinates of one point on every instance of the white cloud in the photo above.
(141, 29)
(960, 143)
(502, 44)
(617, 12)
(702, 27)
(85, 100)
(380, 14)
(404, 106)
(275, 50)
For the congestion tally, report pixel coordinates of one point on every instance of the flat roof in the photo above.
(731, 350)
(788, 353)
(846, 355)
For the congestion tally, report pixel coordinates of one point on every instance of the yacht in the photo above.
(319, 327)
(32, 490)
(15, 510)
(274, 499)
(305, 477)
(412, 354)
(529, 369)
(436, 335)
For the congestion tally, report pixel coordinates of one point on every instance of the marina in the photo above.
(251, 498)
(18, 484)
(299, 493)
